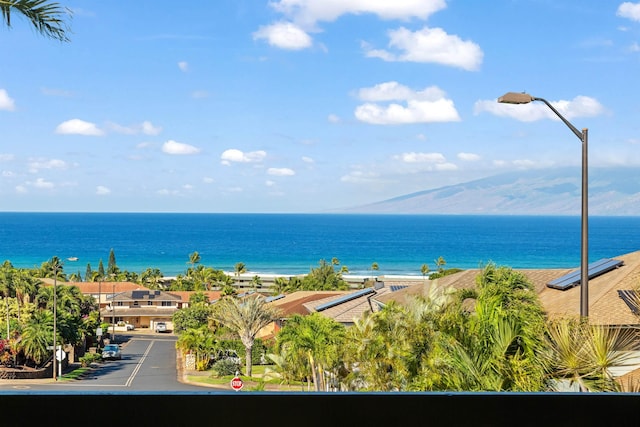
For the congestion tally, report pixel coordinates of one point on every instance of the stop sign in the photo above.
(236, 383)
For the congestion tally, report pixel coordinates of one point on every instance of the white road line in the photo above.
(139, 365)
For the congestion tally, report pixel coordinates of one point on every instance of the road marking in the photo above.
(139, 365)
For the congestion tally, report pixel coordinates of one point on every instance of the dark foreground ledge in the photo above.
(326, 409)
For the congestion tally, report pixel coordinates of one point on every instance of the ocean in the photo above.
(295, 243)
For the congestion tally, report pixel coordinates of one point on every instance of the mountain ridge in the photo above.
(613, 191)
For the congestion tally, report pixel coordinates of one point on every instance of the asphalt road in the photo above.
(148, 365)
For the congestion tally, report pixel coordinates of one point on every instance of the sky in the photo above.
(306, 105)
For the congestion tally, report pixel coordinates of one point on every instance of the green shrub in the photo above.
(89, 358)
(225, 367)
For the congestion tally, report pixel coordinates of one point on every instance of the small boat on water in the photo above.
(72, 258)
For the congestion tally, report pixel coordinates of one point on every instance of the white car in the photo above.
(161, 327)
(129, 326)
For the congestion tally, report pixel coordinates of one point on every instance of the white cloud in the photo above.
(78, 127)
(580, 106)
(281, 172)
(629, 10)
(101, 190)
(269, 183)
(184, 66)
(420, 157)
(308, 12)
(208, 180)
(21, 189)
(8, 174)
(146, 128)
(39, 164)
(6, 102)
(6, 157)
(361, 177)
(284, 35)
(469, 157)
(392, 90)
(307, 159)
(43, 184)
(425, 106)
(429, 45)
(174, 147)
(237, 156)
(149, 129)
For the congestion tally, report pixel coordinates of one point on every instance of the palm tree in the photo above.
(316, 341)
(194, 258)
(424, 269)
(239, 268)
(200, 341)
(36, 337)
(246, 317)
(46, 17)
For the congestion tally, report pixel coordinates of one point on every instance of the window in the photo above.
(167, 304)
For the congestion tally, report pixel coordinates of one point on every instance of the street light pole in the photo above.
(113, 301)
(55, 267)
(525, 98)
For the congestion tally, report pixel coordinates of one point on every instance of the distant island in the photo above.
(613, 191)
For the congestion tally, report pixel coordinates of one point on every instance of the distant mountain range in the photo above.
(612, 191)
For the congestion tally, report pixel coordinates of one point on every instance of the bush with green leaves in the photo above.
(225, 367)
(89, 358)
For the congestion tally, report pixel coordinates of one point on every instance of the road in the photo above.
(148, 365)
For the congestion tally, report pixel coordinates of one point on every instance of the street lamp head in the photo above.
(516, 98)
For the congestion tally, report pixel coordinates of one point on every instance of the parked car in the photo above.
(111, 352)
(161, 327)
(128, 326)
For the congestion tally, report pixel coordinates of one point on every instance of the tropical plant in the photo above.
(583, 354)
(245, 317)
(322, 278)
(424, 269)
(199, 341)
(239, 269)
(48, 18)
(194, 258)
(313, 344)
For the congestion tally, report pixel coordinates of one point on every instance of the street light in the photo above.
(525, 98)
(56, 266)
(113, 302)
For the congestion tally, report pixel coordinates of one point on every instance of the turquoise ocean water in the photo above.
(295, 243)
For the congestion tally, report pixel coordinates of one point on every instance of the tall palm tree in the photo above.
(48, 18)
(194, 258)
(424, 269)
(239, 268)
(246, 317)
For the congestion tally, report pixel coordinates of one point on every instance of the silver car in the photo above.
(111, 352)
(161, 327)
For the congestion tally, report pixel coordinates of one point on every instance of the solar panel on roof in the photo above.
(397, 287)
(344, 299)
(596, 268)
(277, 297)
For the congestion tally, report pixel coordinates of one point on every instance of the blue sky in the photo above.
(306, 105)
